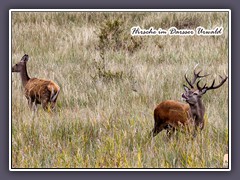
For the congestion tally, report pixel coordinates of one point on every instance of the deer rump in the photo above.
(40, 90)
(171, 115)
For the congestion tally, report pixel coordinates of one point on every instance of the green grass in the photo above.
(100, 122)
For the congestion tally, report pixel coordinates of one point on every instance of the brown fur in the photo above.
(170, 115)
(40, 91)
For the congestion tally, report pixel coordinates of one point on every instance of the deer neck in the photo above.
(197, 111)
(24, 75)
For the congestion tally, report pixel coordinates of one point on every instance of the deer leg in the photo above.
(34, 107)
(154, 130)
(198, 127)
(201, 125)
(45, 104)
(157, 128)
(30, 103)
(52, 106)
(170, 131)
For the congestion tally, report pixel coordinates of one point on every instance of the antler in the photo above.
(196, 76)
(206, 88)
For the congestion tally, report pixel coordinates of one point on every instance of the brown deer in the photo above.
(37, 91)
(172, 115)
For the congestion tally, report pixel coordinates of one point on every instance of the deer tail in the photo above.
(54, 94)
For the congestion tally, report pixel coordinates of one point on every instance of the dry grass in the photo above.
(100, 121)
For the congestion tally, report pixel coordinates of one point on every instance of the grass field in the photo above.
(110, 84)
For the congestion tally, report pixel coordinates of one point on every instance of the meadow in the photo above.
(110, 84)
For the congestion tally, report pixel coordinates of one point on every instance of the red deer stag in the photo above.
(172, 115)
(37, 91)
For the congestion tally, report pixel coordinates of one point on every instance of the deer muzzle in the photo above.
(184, 97)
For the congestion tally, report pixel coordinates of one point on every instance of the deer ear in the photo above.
(25, 58)
(203, 91)
(186, 88)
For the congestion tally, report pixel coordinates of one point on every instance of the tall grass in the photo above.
(109, 90)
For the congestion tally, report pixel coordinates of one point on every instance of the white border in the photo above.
(10, 90)
(118, 10)
(121, 10)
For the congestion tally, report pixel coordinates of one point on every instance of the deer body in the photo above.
(40, 91)
(172, 115)
(37, 91)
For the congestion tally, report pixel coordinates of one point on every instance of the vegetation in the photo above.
(110, 84)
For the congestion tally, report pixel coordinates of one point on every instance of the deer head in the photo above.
(192, 96)
(20, 65)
